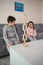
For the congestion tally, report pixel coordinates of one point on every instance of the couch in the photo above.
(3, 49)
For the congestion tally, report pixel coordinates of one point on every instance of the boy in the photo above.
(9, 33)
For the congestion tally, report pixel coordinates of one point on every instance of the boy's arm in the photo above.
(8, 42)
(17, 36)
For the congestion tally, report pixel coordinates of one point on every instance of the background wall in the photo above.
(32, 8)
(42, 12)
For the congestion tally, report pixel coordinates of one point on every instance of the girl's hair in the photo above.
(32, 23)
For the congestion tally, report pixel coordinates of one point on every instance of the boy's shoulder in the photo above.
(5, 26)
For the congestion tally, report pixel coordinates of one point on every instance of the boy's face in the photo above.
(11, 23)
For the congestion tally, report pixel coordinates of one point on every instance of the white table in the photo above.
(32, 55)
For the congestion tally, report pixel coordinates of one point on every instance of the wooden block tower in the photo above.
(24, 29)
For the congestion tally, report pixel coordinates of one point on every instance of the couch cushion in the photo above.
(39, 36)
(3, 49)
(39, 28)
(19, 31)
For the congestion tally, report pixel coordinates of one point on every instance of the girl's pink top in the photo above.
(31, 32)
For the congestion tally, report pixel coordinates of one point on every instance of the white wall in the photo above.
(42, 12)
(32, 9)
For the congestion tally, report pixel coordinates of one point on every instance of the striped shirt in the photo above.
(9, 34)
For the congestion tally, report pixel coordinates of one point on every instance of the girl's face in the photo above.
(30, 25)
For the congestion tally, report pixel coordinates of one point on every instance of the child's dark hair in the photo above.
(32, 23)
(11, 19)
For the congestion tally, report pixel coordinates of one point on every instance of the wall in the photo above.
(32, 10)
(42, 12)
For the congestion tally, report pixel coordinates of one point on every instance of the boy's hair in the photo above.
(32, 23)
(11, 19)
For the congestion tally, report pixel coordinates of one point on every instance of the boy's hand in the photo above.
(18, 42)
(9, 45)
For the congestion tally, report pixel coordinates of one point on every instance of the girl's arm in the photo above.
(29, 33)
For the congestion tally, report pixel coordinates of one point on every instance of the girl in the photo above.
(31, 31)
